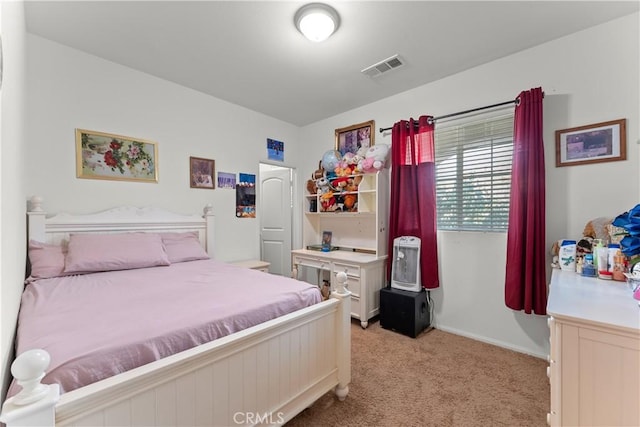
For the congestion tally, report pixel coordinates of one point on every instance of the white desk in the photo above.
(365, 276)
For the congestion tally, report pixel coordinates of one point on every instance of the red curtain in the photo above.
(525, 281)
(413, 193)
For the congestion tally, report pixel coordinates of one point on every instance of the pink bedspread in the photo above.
(97, 325)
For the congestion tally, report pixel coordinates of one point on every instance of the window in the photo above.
(473, 172)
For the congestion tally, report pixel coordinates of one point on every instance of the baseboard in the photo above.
(490, 341)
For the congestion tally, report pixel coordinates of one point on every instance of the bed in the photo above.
(245, 372)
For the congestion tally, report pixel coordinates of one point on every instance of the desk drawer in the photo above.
(351, 270)
(312, 262)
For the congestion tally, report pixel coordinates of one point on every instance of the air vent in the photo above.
(383, 66)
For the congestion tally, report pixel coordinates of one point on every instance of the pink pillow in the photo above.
(106, 252)
(46, 260)
(183, 247)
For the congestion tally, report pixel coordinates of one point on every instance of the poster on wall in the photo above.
(275, 150)
(226, 180)
(246, 196)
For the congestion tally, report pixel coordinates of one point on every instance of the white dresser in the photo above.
(594, 361)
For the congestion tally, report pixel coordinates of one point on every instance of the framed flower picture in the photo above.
(102, 155)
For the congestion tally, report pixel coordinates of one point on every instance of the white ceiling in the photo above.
(250, 54)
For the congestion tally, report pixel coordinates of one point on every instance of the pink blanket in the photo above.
(98, 325)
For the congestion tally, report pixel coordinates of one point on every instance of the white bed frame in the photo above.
(262, 375)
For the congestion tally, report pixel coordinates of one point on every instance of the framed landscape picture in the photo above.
(102, 155)
(596, 143)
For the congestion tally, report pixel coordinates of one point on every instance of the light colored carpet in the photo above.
(436, 379)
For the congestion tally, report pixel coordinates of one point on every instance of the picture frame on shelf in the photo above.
(351, 138)
(595, 143)
(202, 173)
(108, 156)
(326, 240)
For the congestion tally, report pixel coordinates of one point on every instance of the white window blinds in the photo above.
(473, 172)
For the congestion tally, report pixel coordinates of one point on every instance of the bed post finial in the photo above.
(36, 216)
(36, 204)
(35, 403)
(341, 278)
(28, 369)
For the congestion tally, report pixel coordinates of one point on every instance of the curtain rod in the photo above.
(464, 112)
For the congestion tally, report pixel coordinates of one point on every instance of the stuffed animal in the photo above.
(348, 164)
(318, 173)
(330, 161)
(328, 202)
(555, 254)
(351, 198)
(374, 158)
(597, 229)
(366, 165)
(312, 188)
(326, 290)
(323, 185)
(340, 183)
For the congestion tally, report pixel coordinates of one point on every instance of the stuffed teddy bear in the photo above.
(597, 229)
(312, 188)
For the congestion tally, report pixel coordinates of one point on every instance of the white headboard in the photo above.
(57, 228)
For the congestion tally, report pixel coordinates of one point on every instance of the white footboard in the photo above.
(263, 375)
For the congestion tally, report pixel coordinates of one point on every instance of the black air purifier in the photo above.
(406, 312)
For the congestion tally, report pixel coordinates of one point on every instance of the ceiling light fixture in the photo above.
(317, 21)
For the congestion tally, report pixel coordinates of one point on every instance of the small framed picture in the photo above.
(326, 240)
(202, 173)
(352, 138)
(596, 143)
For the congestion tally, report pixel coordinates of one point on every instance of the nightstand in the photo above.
(253, 264)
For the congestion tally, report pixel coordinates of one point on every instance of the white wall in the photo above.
(69, 89)
(588, 77)
(12, 178)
